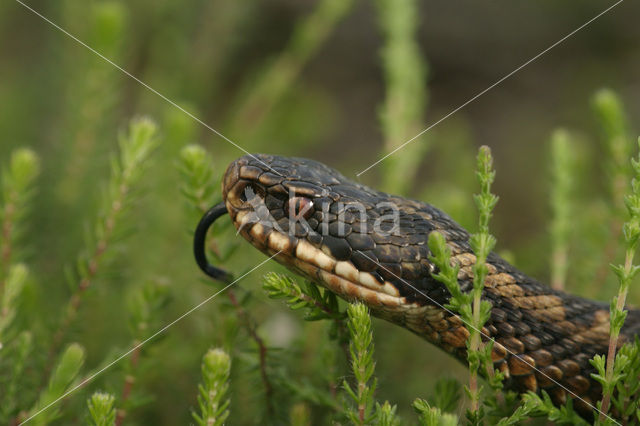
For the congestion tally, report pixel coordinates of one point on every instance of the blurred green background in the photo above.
(299, 78)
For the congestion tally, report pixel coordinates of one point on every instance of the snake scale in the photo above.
(544, 338)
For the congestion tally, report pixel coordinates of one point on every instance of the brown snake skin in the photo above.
(544, 338)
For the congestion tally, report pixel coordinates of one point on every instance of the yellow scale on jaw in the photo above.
(316, 263)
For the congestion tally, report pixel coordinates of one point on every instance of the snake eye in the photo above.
(299, 208)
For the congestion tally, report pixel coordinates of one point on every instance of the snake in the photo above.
(372, 247)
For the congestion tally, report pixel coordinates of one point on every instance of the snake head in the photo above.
(359, 243)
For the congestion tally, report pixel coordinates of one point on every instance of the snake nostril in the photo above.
(247, 191)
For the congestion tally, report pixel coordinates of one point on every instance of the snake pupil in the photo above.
(299, 208)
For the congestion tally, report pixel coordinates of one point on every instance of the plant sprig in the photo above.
(65, 372)
(212, 398)
(405, 72)
(9, 296)
(473, 311)
(561, 185)
(625, 399)
(201, 192)
(481, 243)
(102, 409)
(127, 169)
(362, 365)
(607, 374)
(145, 306)
(618, 146)
(610, 113)
(17, 189)
(318, 305)
(535, 405)
(432, 415)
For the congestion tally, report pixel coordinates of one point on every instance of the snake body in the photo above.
(543, 338)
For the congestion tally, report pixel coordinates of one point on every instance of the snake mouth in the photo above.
(293, 220)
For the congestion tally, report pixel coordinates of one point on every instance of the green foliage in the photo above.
(598, 246)
(362, 365)
(364, 409)
(198, 187)
(17, 189)
(22, 347)
(22, 170)
(63, 375)
(542, 406)
(300, 415)
(520, 415)
(386, 414)
(562, 170)
(485, 201)
(402, 113)
(609, 375)
(109, 20)
(15, 334)
(448, 275)
(610, 112)
(316, 303)
(212, 399)
(482, 243)
(631, 228)
(197, 172)
(91, 93)
(144, 306)
(118, 199)
(610, 369)
(447, 394)
(473, 311)
(101, 409)
(432, 416)
(13, 288)
(277, 77)
(625, 400)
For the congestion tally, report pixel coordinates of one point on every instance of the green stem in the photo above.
(615, 333)
(475, 346)
(7, 231)
(129, 381)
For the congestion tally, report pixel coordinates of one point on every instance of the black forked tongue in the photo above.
(199, 248)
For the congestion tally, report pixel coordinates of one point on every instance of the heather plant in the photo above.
(562, 173)
(62, 369)
(212, 399)
(101, 409)
(473, 311)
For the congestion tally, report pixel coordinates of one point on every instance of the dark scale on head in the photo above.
(337, 247)
(365, 260)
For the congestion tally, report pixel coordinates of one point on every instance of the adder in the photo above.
(370, 246)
